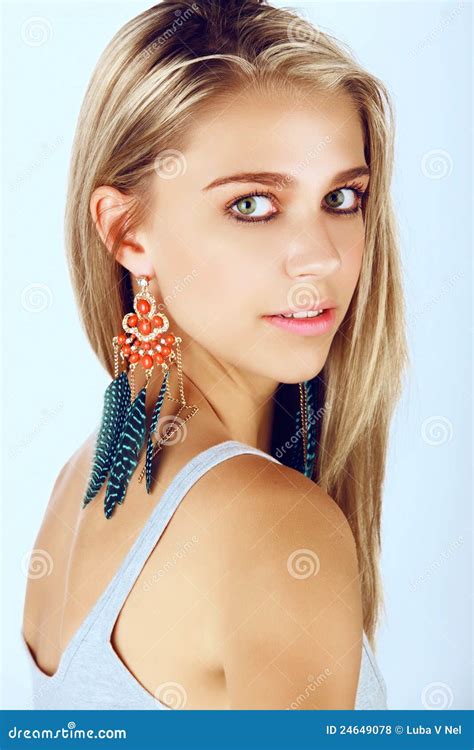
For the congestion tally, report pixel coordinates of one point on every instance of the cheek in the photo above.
(351, 264)
(349, 237)
(355, 255)
(206, 286)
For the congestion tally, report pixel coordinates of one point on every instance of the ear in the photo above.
(109, 208)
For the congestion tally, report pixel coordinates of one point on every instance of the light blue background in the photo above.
(53, 384)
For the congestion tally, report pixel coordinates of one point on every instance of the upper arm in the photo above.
(290, 605)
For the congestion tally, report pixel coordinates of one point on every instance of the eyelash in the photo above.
(356, 187)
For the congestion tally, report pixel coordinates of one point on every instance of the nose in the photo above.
(312, 255)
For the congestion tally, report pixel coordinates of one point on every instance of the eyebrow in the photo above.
(279, 178)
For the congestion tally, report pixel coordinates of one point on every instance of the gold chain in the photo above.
(116, 348)
(304, 420)
(172, 429)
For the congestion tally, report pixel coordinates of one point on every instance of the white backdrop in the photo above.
(53, 385)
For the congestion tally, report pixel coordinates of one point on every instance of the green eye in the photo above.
(256, 206)
(335, 199)
(246, 205)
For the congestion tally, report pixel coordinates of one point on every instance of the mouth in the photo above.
(305, 322)
(302, 314)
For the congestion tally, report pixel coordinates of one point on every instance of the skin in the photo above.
(234, 584)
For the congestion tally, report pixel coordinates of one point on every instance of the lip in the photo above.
(305, 326)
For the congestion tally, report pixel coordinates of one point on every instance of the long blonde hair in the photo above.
(160, 70)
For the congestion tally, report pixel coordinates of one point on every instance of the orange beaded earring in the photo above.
(143, 341)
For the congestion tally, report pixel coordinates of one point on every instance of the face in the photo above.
(258, 221)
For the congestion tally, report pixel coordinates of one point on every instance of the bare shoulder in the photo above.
(289, 598)
(275, 501)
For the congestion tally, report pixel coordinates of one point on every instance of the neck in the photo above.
(238, 403)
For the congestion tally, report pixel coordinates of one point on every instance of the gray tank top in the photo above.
(91, 675)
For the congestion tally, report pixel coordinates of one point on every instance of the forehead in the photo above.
(286, 128)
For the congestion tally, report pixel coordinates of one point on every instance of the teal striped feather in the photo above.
(311, 415)
(153, 423)
(129, 446)
(116, 403)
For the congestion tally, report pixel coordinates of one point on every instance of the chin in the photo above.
(292, 375)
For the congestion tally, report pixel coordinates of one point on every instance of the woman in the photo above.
(216, 541)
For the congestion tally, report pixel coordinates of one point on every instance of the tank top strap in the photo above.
(159, 519)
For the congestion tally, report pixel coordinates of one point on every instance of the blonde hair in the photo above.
(162, 69)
